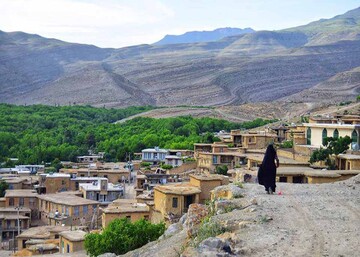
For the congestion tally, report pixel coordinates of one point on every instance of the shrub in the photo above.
(166, 166)
(122, 236)
(208, 228)
(287, 144)
(222, 170)
(145, 164)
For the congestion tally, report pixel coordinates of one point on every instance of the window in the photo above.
(354, 136)
(324, 135)
(85, 209)
(11, 201)
(214, 159)
(128, 217)
(63, 182)
(21, 201)
(336, 134)
(76, 210)
(68, 248)
(308, 137)
(175, 202)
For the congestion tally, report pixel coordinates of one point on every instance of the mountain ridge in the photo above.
(203, 36)
(253, 67)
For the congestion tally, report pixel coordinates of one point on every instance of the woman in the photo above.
(267, 170)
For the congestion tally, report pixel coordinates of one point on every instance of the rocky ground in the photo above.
(300, 220)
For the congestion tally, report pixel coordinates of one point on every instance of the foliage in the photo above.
(166, 166)
(333, 146)
(145, 164)
(222, 169)
(304, 119)
(344, 103)
(287, 144)
(3, 187)
(208, 228)
(189, 159)
(40, 134)
(121, 236)
(358, 98)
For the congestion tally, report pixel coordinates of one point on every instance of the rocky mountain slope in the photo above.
(202, 36)
(257, 67)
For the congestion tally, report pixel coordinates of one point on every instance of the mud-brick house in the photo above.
(72, 241)
(206, 183)
(125, 208)
(258, 140)
(68, 209)
(348, 161)
(208, 162)
(173, 200)
(23, 198)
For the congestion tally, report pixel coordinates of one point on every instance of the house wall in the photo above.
(205, 162)
(319, 180)
(184, 167)
(48, 208)
(134, 216)
(57, 184)
(316, 134)
(29, 202)
(73, 246)
(206, 186)
(163, 203)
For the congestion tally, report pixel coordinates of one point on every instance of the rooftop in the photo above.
(154, 150)
(42, 232)
(207, 177)
(349, 156)
(74, 235)
(127, 207)
(13, 217)
(178, 189)
(21, 193)
(66, 199)
(97, 187)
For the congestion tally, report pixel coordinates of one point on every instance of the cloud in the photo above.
(75, 18)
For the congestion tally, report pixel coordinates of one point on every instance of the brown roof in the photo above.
(74, 235)
(66, 199)
(178, 189)
(20, 193)
(13, 217)
(349, 156)
(42, 232)
(126, 208)
(207, 177)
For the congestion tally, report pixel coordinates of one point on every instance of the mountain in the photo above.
(203, 36)
(296, 64)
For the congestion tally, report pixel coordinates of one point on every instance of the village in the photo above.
(52, 212)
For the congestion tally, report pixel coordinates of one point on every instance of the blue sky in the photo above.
(118, 23)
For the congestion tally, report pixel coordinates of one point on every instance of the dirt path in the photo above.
(308, 220)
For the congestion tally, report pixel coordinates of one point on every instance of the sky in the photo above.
(119, 23)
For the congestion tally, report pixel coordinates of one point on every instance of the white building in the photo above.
(101, 191)
(154, 155)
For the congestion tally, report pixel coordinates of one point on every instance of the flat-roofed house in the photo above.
(207, 183)
(125, 208)
(23, 198)
(348, 161)
(72, 241)
(173, 200)
(68, 209)
(154, 155)
(101, 191)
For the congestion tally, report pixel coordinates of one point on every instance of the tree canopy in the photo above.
(121, 236)
(46, 134)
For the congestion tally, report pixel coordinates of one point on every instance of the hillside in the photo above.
(202, 36)
(256, 67)
(305, 220)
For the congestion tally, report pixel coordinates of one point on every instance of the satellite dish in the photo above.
(355, 146)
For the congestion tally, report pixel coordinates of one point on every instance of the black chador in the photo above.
(267, 170)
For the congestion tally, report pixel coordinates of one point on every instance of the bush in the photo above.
(166, 166)
(287, 144)
(122, 236)
(222, 170)
(145, 164)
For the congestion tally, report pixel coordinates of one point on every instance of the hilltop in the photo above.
(305, 220)
(202, 36)
(263, 66)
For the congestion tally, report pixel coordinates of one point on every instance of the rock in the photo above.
(253, 201)
(107, 255)
(244, 224)
(173, 229)
(183, 218)
(196, 213)
(213, 243)
(227, 192)
(224, 206)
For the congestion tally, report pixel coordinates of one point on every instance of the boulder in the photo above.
(196, 213)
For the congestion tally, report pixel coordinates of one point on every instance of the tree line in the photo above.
(41, 134)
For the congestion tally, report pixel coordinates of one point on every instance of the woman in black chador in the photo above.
(267, 170)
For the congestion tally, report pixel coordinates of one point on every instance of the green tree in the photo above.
(121, 236)
(3, 187)
(333, 146)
